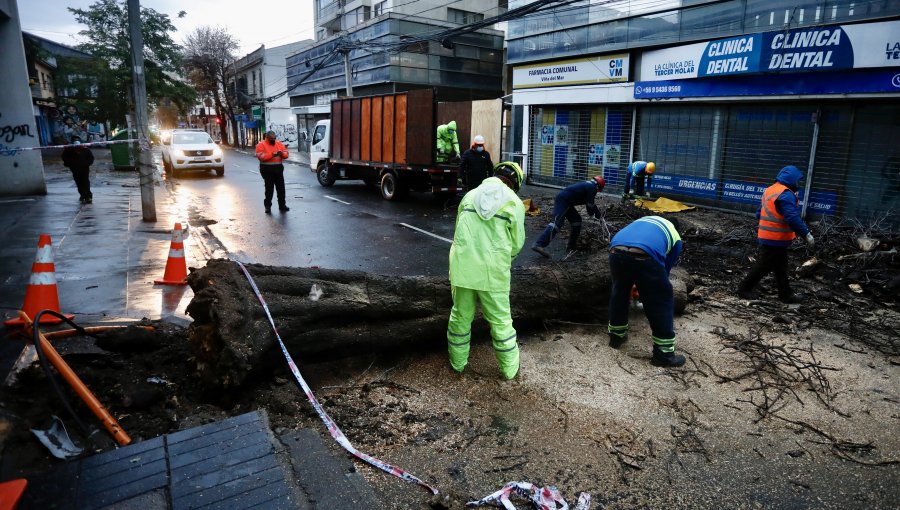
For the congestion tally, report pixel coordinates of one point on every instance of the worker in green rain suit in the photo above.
(490, 232)
(447, 142)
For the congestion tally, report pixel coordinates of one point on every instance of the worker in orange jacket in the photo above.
(270, 153)
(779, 224)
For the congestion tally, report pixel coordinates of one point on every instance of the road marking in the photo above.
(427, 233)
(337, 200)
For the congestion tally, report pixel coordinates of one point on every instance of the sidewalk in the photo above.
(106, 256)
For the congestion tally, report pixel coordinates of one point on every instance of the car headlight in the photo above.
(217, 152)
(178, 153)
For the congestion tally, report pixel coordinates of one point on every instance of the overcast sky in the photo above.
(269, 22)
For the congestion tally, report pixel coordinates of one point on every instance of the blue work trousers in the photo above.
(561, 212)
(652, 281)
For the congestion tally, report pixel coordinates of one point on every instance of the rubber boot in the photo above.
(666, 359)
(616, 341)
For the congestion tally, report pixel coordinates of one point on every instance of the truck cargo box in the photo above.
(394, 129)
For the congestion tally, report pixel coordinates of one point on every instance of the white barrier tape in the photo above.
(42, 279)
(44, 254)
(176, 254)
(543, 498)
(12, 151)
(333, 429)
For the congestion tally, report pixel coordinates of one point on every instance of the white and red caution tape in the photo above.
(333, 429)
(543, 498)
(12, 151)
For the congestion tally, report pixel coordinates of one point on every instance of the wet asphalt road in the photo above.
(346, 226)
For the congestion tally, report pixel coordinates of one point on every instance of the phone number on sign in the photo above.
(656, 89)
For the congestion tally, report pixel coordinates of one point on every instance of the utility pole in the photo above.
(348, 71)
(145, 158)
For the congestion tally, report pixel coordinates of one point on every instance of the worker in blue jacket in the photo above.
(642, 254)
(635, 176)
(580, 193)
(779, 224)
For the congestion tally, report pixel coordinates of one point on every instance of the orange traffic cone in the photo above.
(176, 267)
(41, 293)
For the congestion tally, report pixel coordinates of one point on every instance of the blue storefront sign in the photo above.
(821, 202)
(821, 48)
(686, 185)
(855, 82)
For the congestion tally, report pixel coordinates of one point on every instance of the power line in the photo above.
(344, 44)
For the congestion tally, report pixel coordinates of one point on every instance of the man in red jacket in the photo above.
(270, 153)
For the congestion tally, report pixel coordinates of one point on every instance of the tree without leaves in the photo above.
(208, 54)
(108, 40)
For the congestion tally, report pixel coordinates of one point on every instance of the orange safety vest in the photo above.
(772, 225)
(266, 152)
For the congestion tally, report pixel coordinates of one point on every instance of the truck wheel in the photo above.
(391, 187)
(323, 175)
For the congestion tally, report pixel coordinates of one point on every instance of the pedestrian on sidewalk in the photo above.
(779, 224)
(79, 159)
(476, 164)
(635, 175)
(580, 193)
(271, 153)
(641, 255)
(490, 232)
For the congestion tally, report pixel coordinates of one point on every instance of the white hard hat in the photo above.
(479, 139)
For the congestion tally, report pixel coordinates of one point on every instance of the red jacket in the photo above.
(268, 154)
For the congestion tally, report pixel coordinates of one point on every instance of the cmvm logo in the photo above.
(616, 68)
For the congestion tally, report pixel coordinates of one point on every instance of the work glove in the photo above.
(810, 240)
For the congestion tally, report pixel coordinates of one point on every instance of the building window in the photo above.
(378, 10)
(357, 16)
(461, 17)
(254, 83)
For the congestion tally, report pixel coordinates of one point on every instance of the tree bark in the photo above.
(360, 313)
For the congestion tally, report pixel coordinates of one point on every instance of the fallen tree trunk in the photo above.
(359, 312)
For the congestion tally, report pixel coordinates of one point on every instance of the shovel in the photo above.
(57, 440)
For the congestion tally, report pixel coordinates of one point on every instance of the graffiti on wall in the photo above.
(9, 132)
(68, 123)
(287, 133)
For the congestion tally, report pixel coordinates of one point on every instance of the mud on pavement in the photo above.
(779, 406)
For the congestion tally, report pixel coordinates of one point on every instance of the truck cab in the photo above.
(319, 146)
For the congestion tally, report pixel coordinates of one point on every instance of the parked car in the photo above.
(191, 149)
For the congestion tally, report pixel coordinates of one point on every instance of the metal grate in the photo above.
(726, 154)
(570, 144)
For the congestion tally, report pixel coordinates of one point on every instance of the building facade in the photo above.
(719, 94)
(255, 78)
(60, 108)
(20, 165)
(468, 67)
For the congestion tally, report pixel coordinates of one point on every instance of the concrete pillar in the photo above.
(21, 172)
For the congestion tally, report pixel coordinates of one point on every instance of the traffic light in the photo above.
(218, 120)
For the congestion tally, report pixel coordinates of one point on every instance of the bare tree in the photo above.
(209, 54)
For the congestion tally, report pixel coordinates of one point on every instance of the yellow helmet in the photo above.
(511, 171)
(651, 167)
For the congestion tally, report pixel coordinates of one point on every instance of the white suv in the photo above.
(191, 149)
